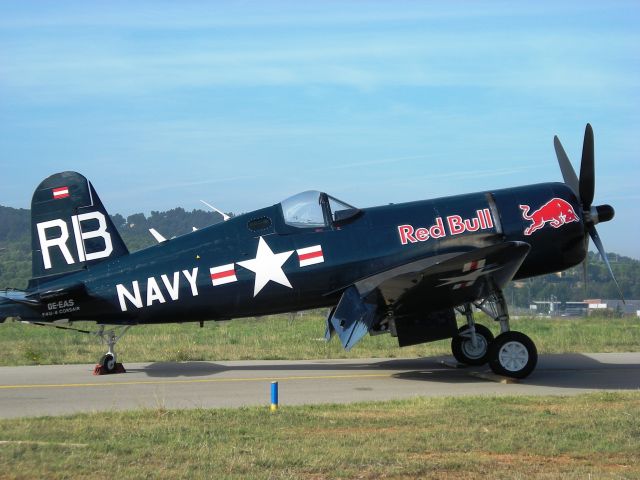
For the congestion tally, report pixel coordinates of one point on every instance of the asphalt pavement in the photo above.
(65, 389)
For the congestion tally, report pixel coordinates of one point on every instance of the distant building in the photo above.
(576, 309)
(555, 308)
(544, 307)
(631, 307)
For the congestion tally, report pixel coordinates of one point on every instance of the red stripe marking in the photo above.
(474, 265)
(61, 192)
(307, 256)
(228, 273)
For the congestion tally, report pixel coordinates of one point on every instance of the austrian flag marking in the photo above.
(223, 274)
(310, 255)
(470, 267)
(61, 192)
(475, 265)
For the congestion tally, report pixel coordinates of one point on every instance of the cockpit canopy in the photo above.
(315, 209)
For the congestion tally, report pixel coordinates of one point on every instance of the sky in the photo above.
(242, 104)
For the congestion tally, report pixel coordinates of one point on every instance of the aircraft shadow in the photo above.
(572, 371)
(202, 368)
(576, 370)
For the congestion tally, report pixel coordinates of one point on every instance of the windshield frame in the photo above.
(316, 207)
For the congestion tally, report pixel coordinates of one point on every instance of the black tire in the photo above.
(108, 363)
(513, 354)
(462, 347)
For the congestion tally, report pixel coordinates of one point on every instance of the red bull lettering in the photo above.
(556, 212)
(455, 225)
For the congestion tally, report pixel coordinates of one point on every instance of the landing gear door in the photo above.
(352, 318)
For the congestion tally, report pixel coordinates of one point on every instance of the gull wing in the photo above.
(422, 291)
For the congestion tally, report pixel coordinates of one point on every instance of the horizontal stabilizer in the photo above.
(75, 289)
(15, 303)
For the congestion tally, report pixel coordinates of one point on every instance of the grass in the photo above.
(588, 436)
(278, 337)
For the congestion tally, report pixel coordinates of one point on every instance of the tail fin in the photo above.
(70, 228)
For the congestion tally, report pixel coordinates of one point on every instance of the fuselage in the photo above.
(200, 276)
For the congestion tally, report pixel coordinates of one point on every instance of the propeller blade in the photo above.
(596, 239)
(587, 169)
(584, 263)
(568, 173)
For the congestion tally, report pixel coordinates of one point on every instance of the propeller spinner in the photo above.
(584, 188)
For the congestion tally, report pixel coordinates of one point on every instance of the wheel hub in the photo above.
(513, 356)
(109, 362)
(475, 352)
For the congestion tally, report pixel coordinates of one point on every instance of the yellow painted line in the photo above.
(200, 380)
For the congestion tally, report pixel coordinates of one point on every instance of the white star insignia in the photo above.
(267, 266)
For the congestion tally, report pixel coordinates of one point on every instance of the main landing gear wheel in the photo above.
(463, 348)
(513, 354)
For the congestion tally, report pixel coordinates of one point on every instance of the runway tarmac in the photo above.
(64, 389)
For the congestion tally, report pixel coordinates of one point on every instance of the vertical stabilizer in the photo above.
(70, 228)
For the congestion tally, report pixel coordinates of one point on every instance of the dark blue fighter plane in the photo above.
(401, 269)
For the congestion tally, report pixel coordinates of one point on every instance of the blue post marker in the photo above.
(274, 396)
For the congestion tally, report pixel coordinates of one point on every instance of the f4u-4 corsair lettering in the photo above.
(345, 258)
(456, 225)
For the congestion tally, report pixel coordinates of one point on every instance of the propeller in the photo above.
(584, 188)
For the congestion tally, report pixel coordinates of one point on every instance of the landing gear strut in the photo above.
(471, 345)
(511, 354)
(108, 362)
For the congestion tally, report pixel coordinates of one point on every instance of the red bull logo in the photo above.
(556, 212)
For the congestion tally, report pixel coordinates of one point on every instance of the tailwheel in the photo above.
(472, 351)
(108, 363)
(513, 354)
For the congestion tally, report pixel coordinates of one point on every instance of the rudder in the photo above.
(70, 228)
